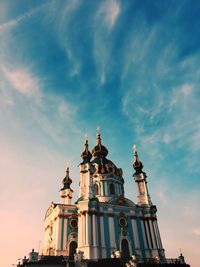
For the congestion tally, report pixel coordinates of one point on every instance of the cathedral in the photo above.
(102, 223)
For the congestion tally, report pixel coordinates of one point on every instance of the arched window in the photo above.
(112, 189)
(96, 189)
(72, 248)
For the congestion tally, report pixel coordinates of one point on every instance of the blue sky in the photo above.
(131, 67)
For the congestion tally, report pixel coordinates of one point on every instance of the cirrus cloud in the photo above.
(22, 81)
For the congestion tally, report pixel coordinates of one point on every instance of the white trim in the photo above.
(112, 232)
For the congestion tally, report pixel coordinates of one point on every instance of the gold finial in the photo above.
(98, 136)
(134, 149)
(98, 130)
(86, 139)
(135, 154)
(67, 167)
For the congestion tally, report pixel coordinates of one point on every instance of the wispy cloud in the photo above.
(111, 11)
(187, 89)
(145, 63)
(60, 16)
(14, 22)
(196, 231)
(23, 81)
(164, 111)
(105, 20)
(50, 113)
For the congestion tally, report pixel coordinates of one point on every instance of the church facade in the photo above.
(103, 222)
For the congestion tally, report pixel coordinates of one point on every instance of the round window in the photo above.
(122, 221)
(74, 223)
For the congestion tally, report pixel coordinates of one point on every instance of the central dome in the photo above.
(99, 150)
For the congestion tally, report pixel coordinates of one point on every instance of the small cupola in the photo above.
(86, 154)
(137, 164)
(66, 180)
(66, 192)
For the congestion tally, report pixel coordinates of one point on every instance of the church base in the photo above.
(61, 261)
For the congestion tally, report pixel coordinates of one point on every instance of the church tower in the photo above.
(88, 208)
(61, 223)
(151, 235)
(140, 179)
(66, 192)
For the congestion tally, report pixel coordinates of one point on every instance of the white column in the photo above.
(65, 234)
(158, 243)
(80, 237)
(83, 230)
(58, 229)
(88, 230)
(152, 233)
(102, 188)
(144, 235)
(106, 188)
(135, 234)
(94, 230)
(158, 235)
(102, 231)
(148, 234)
(112, 232)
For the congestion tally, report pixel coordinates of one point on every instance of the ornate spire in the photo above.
(66, 180)
(86, 155)
(99, 150)
(137, 164)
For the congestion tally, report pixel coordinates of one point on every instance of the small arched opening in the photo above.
(72, 248)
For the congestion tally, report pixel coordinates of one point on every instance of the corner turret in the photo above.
(66, 191)
(140, 179)
(86, 154)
